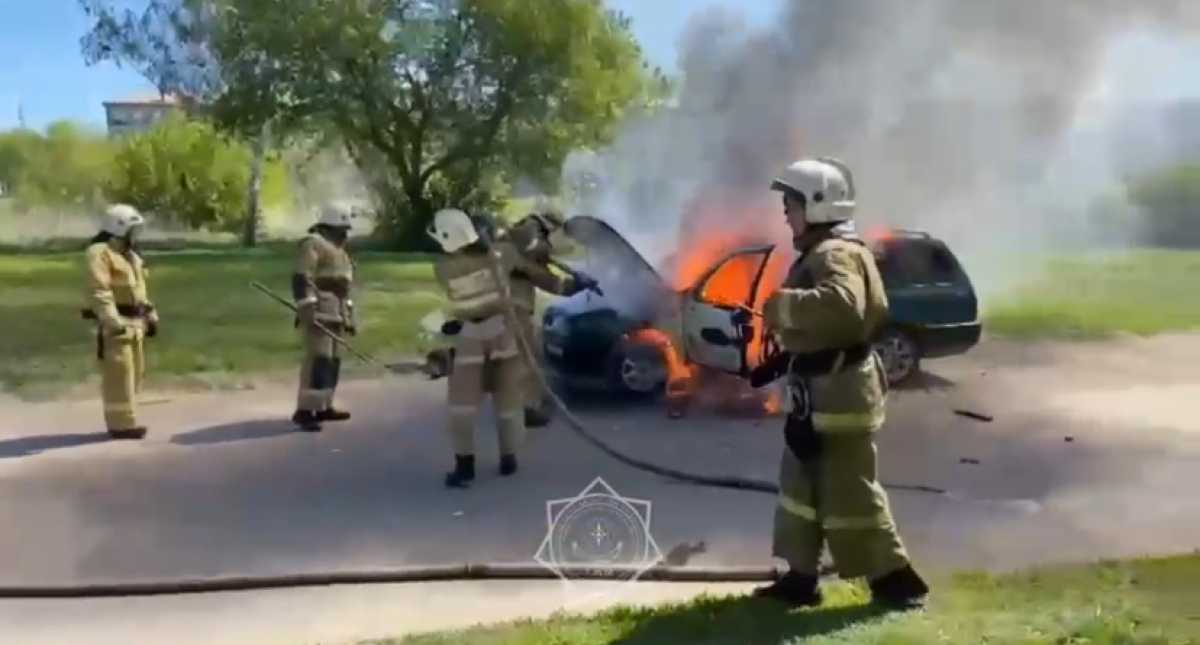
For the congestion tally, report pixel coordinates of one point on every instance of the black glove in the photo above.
(742, 316)
(771, 369)
(585, 282)
(151, 329)
(439, 363)
(351, 330)
(452, 327)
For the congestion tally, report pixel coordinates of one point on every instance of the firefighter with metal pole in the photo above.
(825, 315)
(321, 290)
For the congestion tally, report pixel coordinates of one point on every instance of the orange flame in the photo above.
(680, 375)
(710, 235)
(774, 403)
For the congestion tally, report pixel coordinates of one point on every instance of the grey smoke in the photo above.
(953, 115)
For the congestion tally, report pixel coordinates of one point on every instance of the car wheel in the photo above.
(638, 369)
(900, 354)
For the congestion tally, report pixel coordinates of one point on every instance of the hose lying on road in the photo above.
(446, 573)
(718, 481)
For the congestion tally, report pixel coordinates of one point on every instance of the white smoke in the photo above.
(956, 117)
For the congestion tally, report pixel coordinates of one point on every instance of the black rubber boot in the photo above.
(464, 472)
(306, 421)
(508, 464)
(901, 590)
(332, 414)
(128, 433)
(535, 418)
(794, 589)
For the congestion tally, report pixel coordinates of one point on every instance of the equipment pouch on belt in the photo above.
(486, 329)
(798, 431)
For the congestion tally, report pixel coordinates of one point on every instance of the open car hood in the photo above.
(630, 284)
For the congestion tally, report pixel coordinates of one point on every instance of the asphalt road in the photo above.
(1093, 452)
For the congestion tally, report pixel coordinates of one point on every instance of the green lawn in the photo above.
(215, 327)
(1145, 602)
(1140, 292)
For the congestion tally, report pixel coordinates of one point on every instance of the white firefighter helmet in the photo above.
(452, 229)
(336, 215)
(119, 219)
(827, 186)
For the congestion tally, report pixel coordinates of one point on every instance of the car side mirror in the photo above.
(715, 336)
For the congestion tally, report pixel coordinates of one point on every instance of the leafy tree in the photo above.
(66, 167)
(439, 101)
(170, 42)
(16, 152)
(1169, 201)
(186, 171)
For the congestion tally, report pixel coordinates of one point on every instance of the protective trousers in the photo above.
(835, 497)
(122, 365)
(320, 371)
(474, 376)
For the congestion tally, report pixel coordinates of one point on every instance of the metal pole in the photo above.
(322, 328)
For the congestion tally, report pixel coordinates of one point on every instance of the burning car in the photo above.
(645, 334)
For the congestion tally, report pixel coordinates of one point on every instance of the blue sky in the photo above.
(41, 67)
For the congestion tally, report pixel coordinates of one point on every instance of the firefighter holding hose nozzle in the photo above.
(487, 357)
(824, 317)
(536, 236)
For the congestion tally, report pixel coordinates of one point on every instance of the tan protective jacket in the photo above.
(116, 293)
(478, 301)
(833, 298)
(323, 276)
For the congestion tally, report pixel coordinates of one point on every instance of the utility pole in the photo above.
(20, 114)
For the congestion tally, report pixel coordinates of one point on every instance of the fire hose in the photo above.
(439, 573)
(717, 481)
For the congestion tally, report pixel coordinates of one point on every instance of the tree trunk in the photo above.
(253, 207)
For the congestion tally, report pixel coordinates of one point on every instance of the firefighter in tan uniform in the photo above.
(116, 298)
(487, 358)
(534, 236)
(321, 289)
(824, 317)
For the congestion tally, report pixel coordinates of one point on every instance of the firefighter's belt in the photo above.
(829, 361)
(135, 311)
(129, 311)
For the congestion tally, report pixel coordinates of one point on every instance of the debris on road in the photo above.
(968, 460)
(683, 552)
(974, 415)
(1069, 439)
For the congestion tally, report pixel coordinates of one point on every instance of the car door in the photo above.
(711, 336)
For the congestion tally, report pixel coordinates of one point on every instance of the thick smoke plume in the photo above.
(952, 114)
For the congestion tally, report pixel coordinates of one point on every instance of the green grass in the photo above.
(1141, 292)
(215, 328)
(1144, 602)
